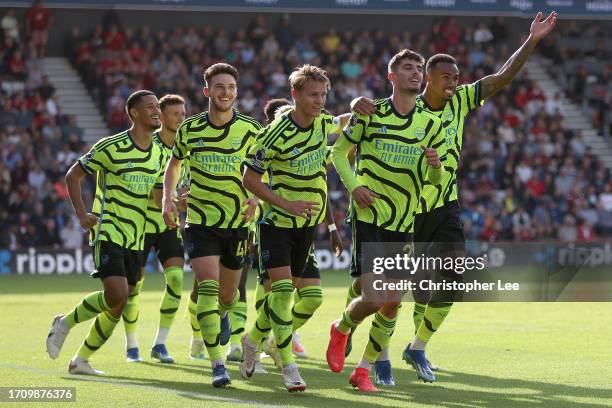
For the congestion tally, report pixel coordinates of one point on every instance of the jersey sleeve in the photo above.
(355, 128)
(437, 141)
(97, 159)
(263, 151)
(181, 149)
(471, 96)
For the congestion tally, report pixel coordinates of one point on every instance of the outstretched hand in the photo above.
(540, 29)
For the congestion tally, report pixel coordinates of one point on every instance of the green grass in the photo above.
(494, 354)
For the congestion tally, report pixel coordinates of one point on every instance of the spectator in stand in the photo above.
(72, 235)
(10, 25)
(568, 231)
(38, 19)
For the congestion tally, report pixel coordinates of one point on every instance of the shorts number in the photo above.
(241, 250)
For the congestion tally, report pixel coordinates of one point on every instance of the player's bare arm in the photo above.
(491, 84)
(73, 183)
(171, 178)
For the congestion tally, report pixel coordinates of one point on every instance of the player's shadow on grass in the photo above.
(474, 390)
(484, 391)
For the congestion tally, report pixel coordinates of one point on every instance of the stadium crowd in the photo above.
(523, 175)
(581, 63)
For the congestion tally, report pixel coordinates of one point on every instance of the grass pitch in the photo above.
(493, 354)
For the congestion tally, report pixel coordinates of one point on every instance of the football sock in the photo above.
(130, 315)
(281, 319)
(193, 318)
(417, 315)
(380, 335)
(208, 317)
(224, 309)
(238, 317)
(261, 328)
(346, 323)
(91, 306)
(172, 297)
(435, 313)
(306, 301)
(99, 332)
(352, 293)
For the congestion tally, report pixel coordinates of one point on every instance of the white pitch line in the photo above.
(199, 395)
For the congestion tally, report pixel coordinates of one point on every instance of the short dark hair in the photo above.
(272, 106)
(437, 59)
(220, 68)
(402, 55)
(134, 98)
(170, 100)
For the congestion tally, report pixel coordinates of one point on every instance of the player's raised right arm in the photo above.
(74, 176)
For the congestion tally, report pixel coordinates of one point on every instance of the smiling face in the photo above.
(222, 91)
(146, 113)
(443, 79)
(407, 76)
(310, 100)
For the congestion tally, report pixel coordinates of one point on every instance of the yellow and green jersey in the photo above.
(295, 159)
(155, 221)
(126, 175)
(453, 114)
(391, 163)
(215, 156)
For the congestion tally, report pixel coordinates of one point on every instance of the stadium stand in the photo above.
(524, 175)
(37, 144)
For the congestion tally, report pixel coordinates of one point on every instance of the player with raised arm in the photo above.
(168, 247)
(128, 166)
(438, 216)
(397, 153)
(219, 209)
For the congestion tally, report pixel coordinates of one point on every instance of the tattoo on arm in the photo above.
(491, 84)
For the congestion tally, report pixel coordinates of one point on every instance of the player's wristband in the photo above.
(332, 228)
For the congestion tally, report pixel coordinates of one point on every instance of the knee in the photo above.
(227, 296)
(373, 305)
(116, 299)
(174, 278)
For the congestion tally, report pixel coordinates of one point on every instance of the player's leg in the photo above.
(354, 291)
(233, 260)
(119, 279)
(197, 343)
(106, 259)
(282, 250)
(130, 314)
(102, 328)
(450, 240)
(308, 297)
(170, 254)
(205, 249)
(381, 330)
(424, 228)
(357, 310)
(238, 318)
(131, 311)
